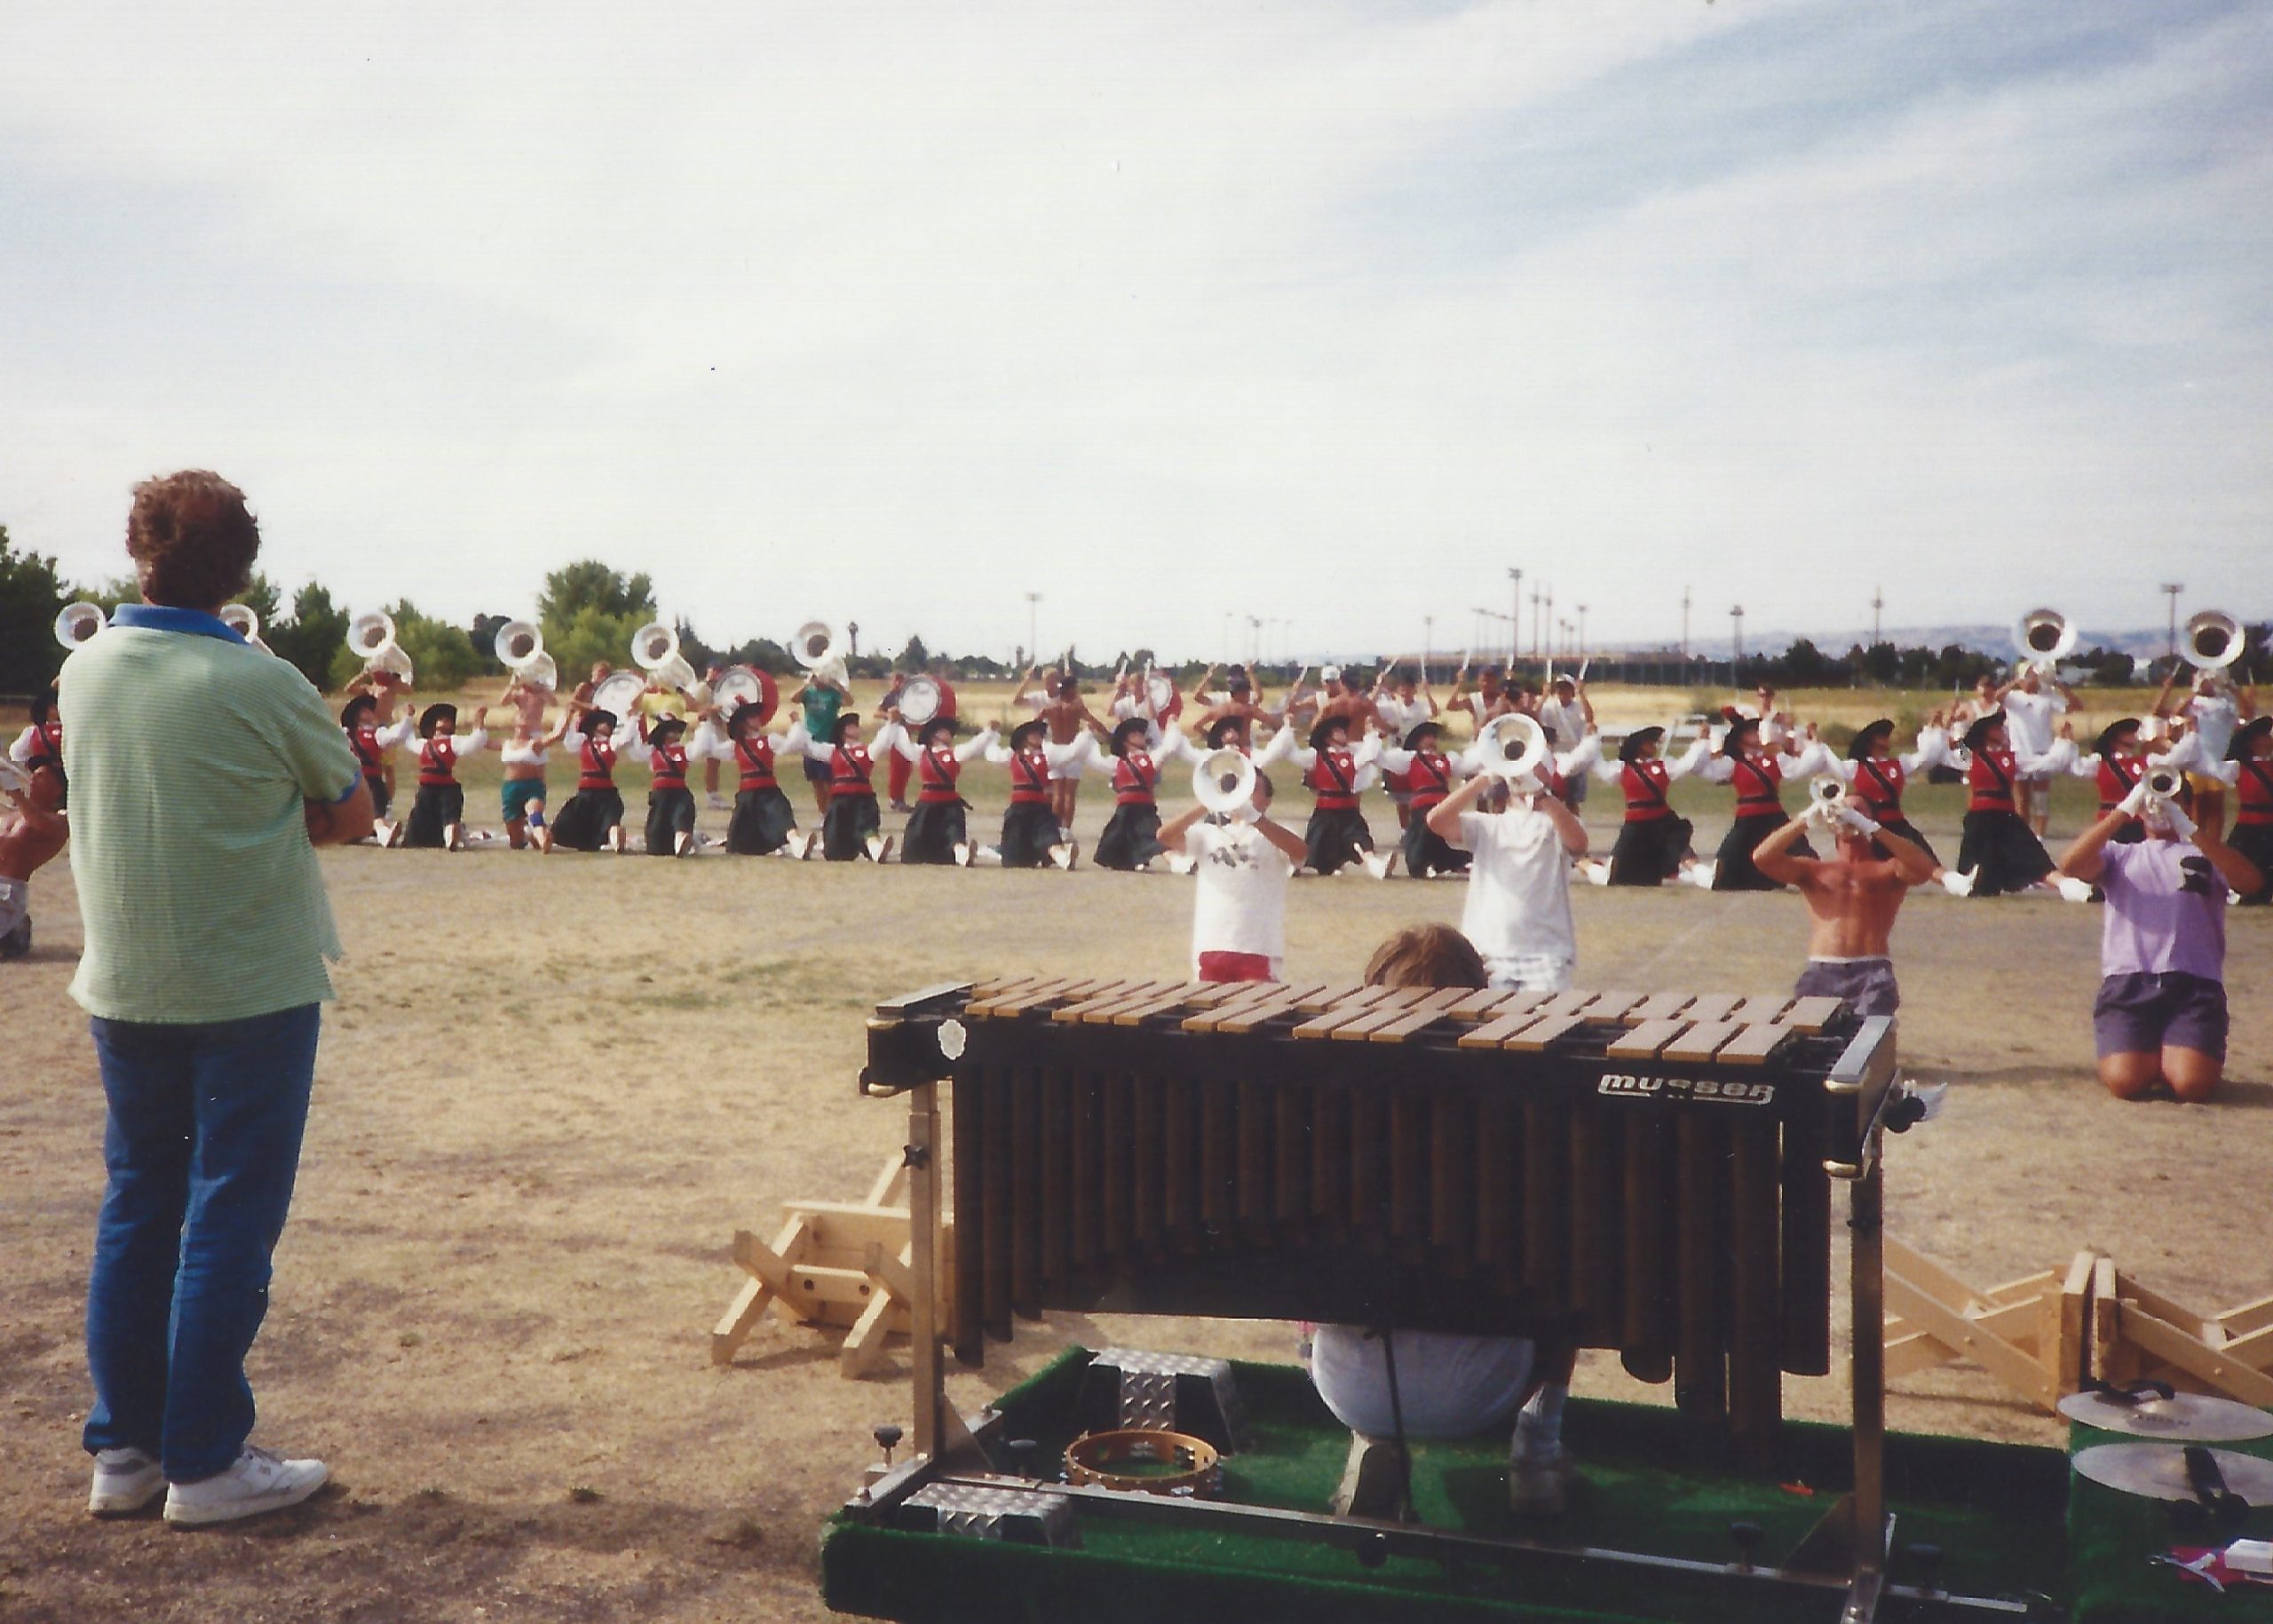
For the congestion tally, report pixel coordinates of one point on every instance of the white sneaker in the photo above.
(963, 855)
(126, 1481)
(717, 803)
(1372, 1479)
(801, 845)
(2075, 889)
(1597, 871)
(391, 835)
(258, 1482)
(1178, 863)
(1958, 884)
(682, 844)
(879, 848)
(1063, 853)
(453, 837)
(1700, 876)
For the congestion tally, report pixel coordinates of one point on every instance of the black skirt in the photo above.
(583, 823)
(1131, 837)
(1427, 852)
(379, 788)
(2255, 841)
(935, 829)
(1335, 838)
(671, 814)
(2001, 853)
(761, 823)
(1733, 870)
(1649, 851)
(1029, 829)
(433, 809)
(847, 824)
(1909, 832)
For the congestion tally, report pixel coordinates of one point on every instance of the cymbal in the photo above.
(2192, 1418)
(2158, 1471)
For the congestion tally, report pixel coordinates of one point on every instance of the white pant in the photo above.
(1528, 973)
(1447, 1386)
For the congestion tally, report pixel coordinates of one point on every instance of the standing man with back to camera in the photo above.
(204, 774)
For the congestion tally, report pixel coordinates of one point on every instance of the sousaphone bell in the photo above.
(814, 645)
(244, 620)
(2045, 638)
(372, 638)
(2214, 640)
(76, 626)
(1223, 781)
(1512, 746)
(519, 644)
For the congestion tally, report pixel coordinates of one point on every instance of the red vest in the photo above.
(1990, 777)
(936, 771)
(438, 760)
(755, 758)
(596, 770)
(46, 747)
(1880, 784)
(1758, 784)
(667, 766)
(365, 742)
(850, 767)
(1133, 778)
(1430, 775)
(2118, 775)
(2256, 787)
(1645, 782)
(1029, 779)
(1332, 779)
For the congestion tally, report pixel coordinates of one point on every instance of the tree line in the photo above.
(588, 611)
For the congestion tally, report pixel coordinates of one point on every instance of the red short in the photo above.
(1235, 967)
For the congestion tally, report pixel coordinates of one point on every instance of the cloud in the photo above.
(1326, 314)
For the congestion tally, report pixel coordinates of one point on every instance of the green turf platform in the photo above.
(2112, 1535)
(2001, 1514)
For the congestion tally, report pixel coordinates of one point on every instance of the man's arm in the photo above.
(2085, 858)
(1278, 835)
(38, 833)
(335, 823)
(1176, 829)
(1443, 816)
(1773, 856)
(1908, 855)
(1567, 823)
(2239, 872)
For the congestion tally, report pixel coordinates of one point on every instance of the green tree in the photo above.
(915, 656)
(312, 638)
(588, 613)
(31, 596)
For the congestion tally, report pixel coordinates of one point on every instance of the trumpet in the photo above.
(1826, 790)
(77, 625)
(2045, 638)
(2214, 640)
(2164, 783)
(1223, 781)
(1512, 746)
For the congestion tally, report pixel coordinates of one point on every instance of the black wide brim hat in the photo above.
(1132, 730)
(1978, 732)
(1859, 746)
(595, 719)
(433, 714)
(2247, 735)
(1733, 739)
(2105, 743)
(845, 719)
(1422, 730)
(749, 712)
(1635, 742)
(1323, 730)
(1225, 730)
(362, 704)
(664, 730)
(43, 707)
(1026, 732)
(936, 727)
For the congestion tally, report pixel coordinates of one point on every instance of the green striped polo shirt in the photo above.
(189, 753)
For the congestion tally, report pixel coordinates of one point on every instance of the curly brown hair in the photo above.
(1426, 955)
(191, 539)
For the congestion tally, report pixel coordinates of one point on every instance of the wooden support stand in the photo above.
(2141, 1334)
(833, 1264)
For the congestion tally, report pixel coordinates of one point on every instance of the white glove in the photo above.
(2172, 817)
(2073, 889)
(1849, 818)
(2134, 804)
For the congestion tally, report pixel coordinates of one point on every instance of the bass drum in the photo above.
(743, 685)
(619, 694)
(919, 701)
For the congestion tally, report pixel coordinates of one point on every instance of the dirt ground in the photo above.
(552, 1088)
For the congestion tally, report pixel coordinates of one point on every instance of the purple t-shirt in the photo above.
(2165, 911)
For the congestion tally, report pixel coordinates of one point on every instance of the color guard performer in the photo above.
(1403, 701)
(2250, 759)
(763, 824)
(593, 816)
(1032, 836)
(39, 748)
(1337, 774)
(1877, 777)
(670, 803)
(936, 831)
(1131, 842)
(1430, 774)
(33, 834)
(1997, 850)
(1758, 771)
(1653, 840)
(438, 811)
(373, 747)
(853, 827)
(2116, 762)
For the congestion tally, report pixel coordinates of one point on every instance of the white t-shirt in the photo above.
(1518, 887)
(2215, 718)
(1241, 903)
(1568, 722)
(1401, 716)
(1447, 1386)
(2028, 716)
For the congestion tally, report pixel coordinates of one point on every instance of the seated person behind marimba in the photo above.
(1431, 1385)
(1854, 895)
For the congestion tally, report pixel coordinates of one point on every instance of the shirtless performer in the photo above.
(1064, 713)
(1854, 897)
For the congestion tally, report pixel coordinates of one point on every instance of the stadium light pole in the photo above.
(2171, 651)
(1684, 625)
(1736, 664)
(1034, 620)
(1515, 620)
(1428, 643)
(1582, 634)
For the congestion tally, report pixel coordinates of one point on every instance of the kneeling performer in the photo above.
(1854, 895)
(437, 811)
(936, 831)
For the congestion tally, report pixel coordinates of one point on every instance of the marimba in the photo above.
(1645, 1172)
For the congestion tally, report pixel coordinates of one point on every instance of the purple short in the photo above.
(2143, 1012)
(1866, 984)
(816, 772)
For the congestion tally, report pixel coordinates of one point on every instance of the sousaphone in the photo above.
(2214, 640)
(245, 620)
(744, 685)
(919, 701)
(2045, 638)
(76, 626)
(1512, 746)
(518, 645)
(814, 645)
(1223, 781)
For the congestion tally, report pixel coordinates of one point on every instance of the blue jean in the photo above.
(201, 1145)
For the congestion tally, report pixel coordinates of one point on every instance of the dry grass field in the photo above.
(551, 1089)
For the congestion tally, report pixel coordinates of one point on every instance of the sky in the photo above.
(1277, 328)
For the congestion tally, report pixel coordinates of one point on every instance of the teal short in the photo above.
(517, 793)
